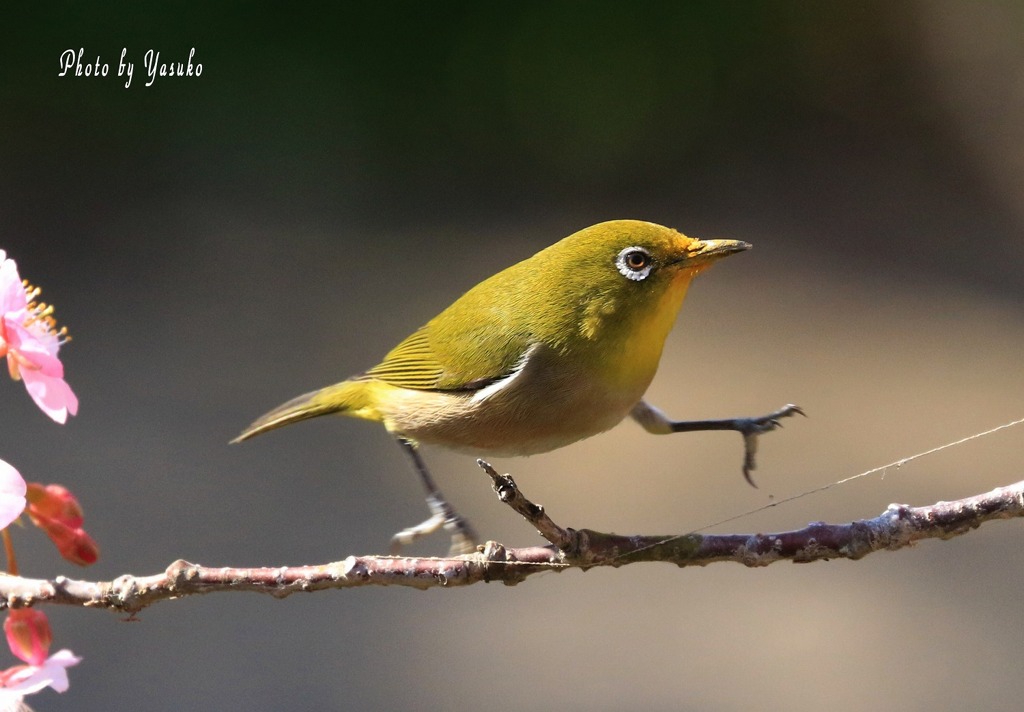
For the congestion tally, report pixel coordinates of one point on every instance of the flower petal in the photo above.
(12, 494)
(12, 291)
(53, 395)
(11, 701)
(52, 673)
(39, 349)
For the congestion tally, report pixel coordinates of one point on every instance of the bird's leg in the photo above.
(654, 421)
(442, 513)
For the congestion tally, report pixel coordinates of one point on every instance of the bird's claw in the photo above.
(768, 423)
(462, 534)
(443, 515)
(752, 427)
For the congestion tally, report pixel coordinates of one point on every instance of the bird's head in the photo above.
(629, 264)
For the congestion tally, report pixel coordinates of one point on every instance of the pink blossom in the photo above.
(28, 679)
(29, 338)
(12, 494)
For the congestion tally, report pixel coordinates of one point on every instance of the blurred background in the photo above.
(221, 243)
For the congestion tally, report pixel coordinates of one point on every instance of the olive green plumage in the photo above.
(553, 349)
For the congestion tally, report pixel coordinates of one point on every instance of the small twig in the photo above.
(565, 540)
(897, 527)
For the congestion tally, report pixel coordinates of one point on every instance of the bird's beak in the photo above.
(710, 250)
(701, 253)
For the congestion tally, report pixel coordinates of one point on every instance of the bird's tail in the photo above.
(349, 397)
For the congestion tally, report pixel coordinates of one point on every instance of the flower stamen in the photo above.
(41, 313)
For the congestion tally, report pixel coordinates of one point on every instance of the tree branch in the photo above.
(899, 526)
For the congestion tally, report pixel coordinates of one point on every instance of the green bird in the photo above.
(554, 349)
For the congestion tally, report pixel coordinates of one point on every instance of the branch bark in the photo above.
(898, 526)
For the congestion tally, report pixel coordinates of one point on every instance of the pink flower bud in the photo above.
(73, 543)
(54, 502)
(28, 634)
(55, 510)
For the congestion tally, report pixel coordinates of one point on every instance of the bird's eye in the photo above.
(634, 263)
(636, 259)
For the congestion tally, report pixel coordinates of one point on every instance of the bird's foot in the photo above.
(750, 428)
(443, 515)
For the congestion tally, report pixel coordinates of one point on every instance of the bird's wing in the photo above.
(411, 364)
(466, 361)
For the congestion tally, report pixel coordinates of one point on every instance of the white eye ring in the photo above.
(634, 263)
